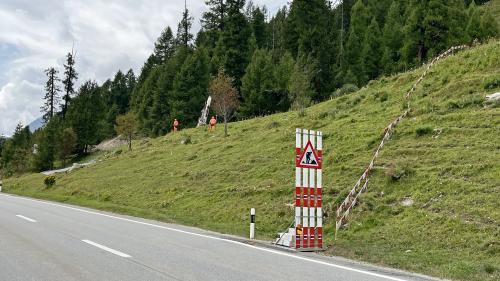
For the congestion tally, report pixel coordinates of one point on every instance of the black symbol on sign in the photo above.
(310, 161)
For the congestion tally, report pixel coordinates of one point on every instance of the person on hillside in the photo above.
(176, 125)
(212, 124)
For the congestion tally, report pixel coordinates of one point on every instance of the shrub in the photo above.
(396, 171)
(489, 268)
(49, 181)
(424, 130)
(346, 89)
(186, 139)
(272, 125)
(493, 84)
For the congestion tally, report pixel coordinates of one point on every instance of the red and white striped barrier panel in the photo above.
(308, 190)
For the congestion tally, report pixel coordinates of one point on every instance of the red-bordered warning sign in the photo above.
(309, 158)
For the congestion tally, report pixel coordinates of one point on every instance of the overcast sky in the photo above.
(108, 35)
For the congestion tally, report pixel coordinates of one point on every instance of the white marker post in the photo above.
(0, 186)
(252, 223)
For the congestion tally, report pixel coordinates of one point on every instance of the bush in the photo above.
(186, 139)
(425, 130)
(345, 90)
(49, 181)
(272, 125)
(493, 84)
(396, 171)
(381, 96)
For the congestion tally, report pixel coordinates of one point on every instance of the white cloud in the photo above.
(107, 35)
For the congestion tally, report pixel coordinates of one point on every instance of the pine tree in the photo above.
(372, 51)
(119, 92)
(137, 95)
(164, 49)
(474, 23)
(257, 86)
(46, 142)
(258, 23)
(307, 33)
(189, 91)
(67, 144)
(70, 77)
(432, 26)
(212, 21)
(184, 36)
(51, 94)
(489, 25)
(300, 89)
(84, 115)
(360, 20)
(392, 37)
(233, 48)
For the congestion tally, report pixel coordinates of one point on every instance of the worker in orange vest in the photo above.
(176, 124)
(211, 124)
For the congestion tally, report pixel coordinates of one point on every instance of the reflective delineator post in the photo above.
(252, 223)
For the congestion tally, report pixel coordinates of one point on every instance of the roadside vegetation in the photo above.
(432, 203)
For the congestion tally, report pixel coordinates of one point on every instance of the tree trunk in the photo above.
(130, 142)
(225, 125)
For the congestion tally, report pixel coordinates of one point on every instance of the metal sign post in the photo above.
(308, 190)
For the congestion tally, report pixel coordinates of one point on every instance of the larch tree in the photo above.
(70, 77)
(224, 97)
(127, 125)
(51, 94)
(184, 36)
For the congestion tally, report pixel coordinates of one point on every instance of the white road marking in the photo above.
(25, 218)
(118, 253)
(219, 239)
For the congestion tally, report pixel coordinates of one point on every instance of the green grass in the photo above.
(451, 172)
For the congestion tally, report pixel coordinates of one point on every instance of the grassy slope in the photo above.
(452, 230)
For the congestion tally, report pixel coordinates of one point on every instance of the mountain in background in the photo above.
(36, 124)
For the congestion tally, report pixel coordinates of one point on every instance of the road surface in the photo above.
(46, 241)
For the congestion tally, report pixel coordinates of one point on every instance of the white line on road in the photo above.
(118, 253)
(25, 218)
(219, 239)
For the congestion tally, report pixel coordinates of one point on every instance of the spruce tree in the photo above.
(307, 33)
(300, 88)
(51, 94)
(184, 36)
(70, 77)
(212, 21)
(489, 25)
(258, 22)
(360, 20)
(257, 86)
(189, 91)
(84, 115)
(392, 39)
(164, 49)
(474, 23)
(372, 51)
(233, 48)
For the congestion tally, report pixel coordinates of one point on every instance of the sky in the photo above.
(106, 36)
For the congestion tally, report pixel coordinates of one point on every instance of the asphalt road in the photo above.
(45, 241)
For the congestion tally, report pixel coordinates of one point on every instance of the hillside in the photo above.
(446, 155)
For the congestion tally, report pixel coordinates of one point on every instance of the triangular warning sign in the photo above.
(309, 158)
